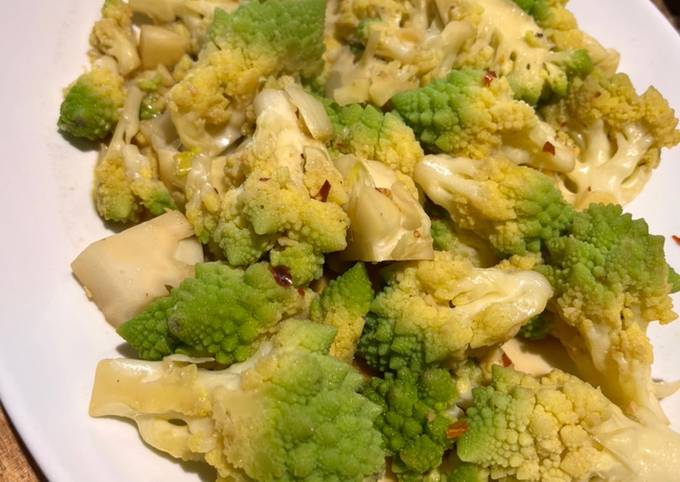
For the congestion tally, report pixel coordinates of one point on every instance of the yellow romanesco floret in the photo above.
(446, 307)
(620, 135)
(559, 428)
(390, 47)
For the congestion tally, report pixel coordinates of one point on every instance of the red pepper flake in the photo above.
(323, 192)
(676, 239)
(456, 430)
(489, 76)
(549, 148)
(264, 179)
(301, 291)
(282, 276)
(506, 360)
(384, 191)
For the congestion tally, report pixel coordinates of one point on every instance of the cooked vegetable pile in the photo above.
(347, 227)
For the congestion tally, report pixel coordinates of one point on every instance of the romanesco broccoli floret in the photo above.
(463, 472)
(269, 208)
(300, 259)
(91, 104)
(610, 279)
(343, 304)
(414, 419)
(270, 197)
(619, 133)
(511, 44)
(435, 311)
(377, 49)
(673, 280)
(473, 114)
(517, 208)
(223, 312)
(289, 413)
(289, 30)
(259, 39)
(127, 186)
(371, 134)
(558, 427)
(446, 236)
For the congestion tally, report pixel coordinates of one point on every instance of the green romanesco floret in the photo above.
(289, 413)
(673, 280)
(414, 419)
(558, 427)
(610, 279)
(467, 473)
(223, 312)
(259, 39)
(433, 312)
(371, 134)
(343, 304)
(473, 114)
(148, 332)
(91, 104)
(304, 264)
(289, 30)
(516, 208)
(619, 133)
(542, 10)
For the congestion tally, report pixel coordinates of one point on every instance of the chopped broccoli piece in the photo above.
(223, 312)
(90, 106)
(343, 304)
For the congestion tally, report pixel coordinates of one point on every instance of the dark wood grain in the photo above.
(16, 464)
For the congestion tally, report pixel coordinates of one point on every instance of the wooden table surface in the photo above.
(16, 464)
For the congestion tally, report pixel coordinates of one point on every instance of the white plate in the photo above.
(52, 337)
